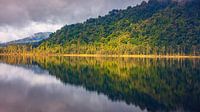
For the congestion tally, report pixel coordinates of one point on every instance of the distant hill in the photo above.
(34, 39)
(153, 27)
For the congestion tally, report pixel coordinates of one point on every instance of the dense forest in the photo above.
(162, 27)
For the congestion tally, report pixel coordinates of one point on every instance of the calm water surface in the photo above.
(72, 84)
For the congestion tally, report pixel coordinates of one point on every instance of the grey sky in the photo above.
(20, 18)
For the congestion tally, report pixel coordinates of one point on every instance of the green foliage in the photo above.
(136, 30)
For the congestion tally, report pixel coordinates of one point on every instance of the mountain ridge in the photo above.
(33, 39)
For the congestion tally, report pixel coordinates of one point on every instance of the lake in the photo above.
(80, 84)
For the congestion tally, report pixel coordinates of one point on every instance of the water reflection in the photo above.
(104, 84)
(23, 90)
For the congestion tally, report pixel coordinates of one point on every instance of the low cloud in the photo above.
(9, 33)
(18, 14)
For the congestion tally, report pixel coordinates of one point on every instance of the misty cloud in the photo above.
(22, 12)
(16, 16)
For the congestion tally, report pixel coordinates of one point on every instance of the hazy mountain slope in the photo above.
(37, 37)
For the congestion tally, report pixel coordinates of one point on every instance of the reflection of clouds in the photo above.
(22, 90)
(10, 73)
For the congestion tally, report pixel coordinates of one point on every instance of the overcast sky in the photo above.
(21, 18)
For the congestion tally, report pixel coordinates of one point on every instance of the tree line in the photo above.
(125, 49)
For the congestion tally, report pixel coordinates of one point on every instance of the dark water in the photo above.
(72, 84)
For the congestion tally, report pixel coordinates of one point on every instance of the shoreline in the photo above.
(102, 55)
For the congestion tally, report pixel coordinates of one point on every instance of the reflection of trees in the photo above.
(155, 84)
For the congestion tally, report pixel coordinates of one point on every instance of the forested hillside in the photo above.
(164, 27)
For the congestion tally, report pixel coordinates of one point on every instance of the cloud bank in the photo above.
(16, 16)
